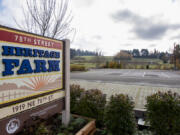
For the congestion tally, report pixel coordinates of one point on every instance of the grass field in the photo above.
(135, 63)
(90, 58)
(146, 60)
(110, 58)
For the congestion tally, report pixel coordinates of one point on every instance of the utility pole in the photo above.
(174, 53)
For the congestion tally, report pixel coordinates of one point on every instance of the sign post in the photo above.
(34, 79)
(66, 112)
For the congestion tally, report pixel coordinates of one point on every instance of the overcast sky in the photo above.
(112, 25)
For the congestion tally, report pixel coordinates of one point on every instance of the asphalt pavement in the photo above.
(160, 78)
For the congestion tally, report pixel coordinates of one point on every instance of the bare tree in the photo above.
(176, 56)
(51, 18)
(98, 58)
(123, 56)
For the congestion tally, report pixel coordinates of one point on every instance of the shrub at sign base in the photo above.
(90, 103)
(163, 113)
(75, 96)
(119, 116)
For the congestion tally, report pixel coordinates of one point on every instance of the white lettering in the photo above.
(16, 37)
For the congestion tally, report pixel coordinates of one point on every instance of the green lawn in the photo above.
(110, 58)
(87, 65)
(90, 58)
(146, 60)
(88, 62)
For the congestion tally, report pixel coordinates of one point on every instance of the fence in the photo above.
(13, 94)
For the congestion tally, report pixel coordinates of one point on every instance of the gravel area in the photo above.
(137, 92)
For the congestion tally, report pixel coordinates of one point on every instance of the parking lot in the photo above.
(138, 84)
(161, 78)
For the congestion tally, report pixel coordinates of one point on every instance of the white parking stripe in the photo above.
(144, 74)
(126, 73)
(165, 75)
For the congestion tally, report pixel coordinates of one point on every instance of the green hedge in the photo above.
(112, 64)
(119, 116)
(77, 68)
(163, 113)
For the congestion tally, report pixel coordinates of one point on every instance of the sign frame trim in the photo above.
(33, 96)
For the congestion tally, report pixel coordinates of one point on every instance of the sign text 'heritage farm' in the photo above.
(25, 66)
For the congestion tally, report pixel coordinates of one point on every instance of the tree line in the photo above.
(78, 52)
(145, 53)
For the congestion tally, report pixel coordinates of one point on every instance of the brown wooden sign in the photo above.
(32, 75)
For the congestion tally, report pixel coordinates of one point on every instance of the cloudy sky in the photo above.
(112, 25)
